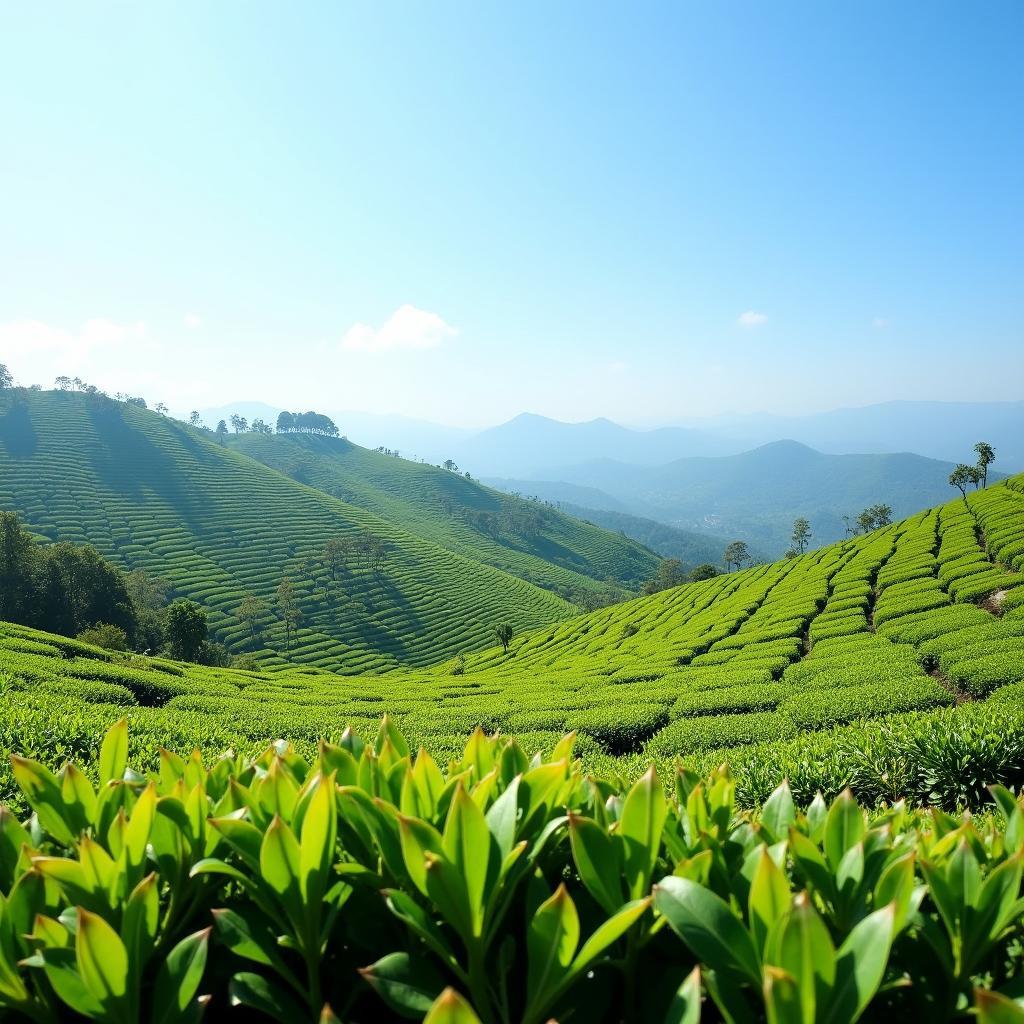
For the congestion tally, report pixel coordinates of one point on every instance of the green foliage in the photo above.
(112, 638)
(186, 630)
(370, 880)
(61, 587)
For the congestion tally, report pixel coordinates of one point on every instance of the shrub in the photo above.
(111, 638)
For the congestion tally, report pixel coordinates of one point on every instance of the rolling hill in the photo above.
(524, 538)
(148, 492)
(689, 546)
(781, 669)
(756, 495)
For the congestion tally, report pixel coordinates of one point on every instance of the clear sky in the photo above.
(461, 211)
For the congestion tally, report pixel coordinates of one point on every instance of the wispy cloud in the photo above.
(32, 337)
(879, 323)
(752, 319)
(406, 328)
(193, 321)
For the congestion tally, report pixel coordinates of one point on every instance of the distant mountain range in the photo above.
(536, 447)
(732, 476)
(939, 430)
(756, 495)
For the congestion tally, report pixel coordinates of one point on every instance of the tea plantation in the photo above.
(150, 493)
(526, 539)
(303, 863)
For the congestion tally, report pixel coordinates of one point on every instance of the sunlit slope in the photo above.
(151, 493)
(539, 544)
(932, 569)
(893, 663)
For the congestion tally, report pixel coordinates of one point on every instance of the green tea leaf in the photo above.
(102, 960)
(708, 927)
(179, 978)
(451, 1008)
(114, 753)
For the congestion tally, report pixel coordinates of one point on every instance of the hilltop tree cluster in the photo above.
(306, 423)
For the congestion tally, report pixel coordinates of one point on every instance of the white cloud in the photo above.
(113, 356)
(752, 319)
(879, 323)
(192, 321)
(33, 337)
(406, 328)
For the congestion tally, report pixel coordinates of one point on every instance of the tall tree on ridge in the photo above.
(736, 554)
(961, 477)
(986, 456)
(801, 535)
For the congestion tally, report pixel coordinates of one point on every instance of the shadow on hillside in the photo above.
(131, 464)
(404, 645)
(17, 431)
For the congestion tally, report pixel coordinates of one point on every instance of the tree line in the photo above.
(70, 589)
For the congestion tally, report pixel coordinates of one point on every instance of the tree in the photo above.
(736, 554)
(285, 422)
(6, 380)
(239, 423)
(704, 571)
(195, 420)
(801, 535)
(986, 456)
(503, 631)
(250, 611)
(961, 477)
(258, 426)
(449, 464)
(160, 408)
(336, 554)
(881, 515)
(19, 563)
(670, 574)
(289, 609)
(62, 383)
(222, 431)
(186, 630)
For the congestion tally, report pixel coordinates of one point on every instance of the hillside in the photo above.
(756, 495)
(524, 538)
(150, 493)
(779, 669)
(691, 547)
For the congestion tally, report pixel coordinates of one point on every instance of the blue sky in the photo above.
(463, 211)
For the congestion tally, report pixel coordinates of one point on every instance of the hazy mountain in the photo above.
(531, 445)
(559, 492)
(757, 494)
(691, 547)
(939, 430)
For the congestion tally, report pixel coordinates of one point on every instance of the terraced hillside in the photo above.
(524, 538)
(151, 493)
(893, 663)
